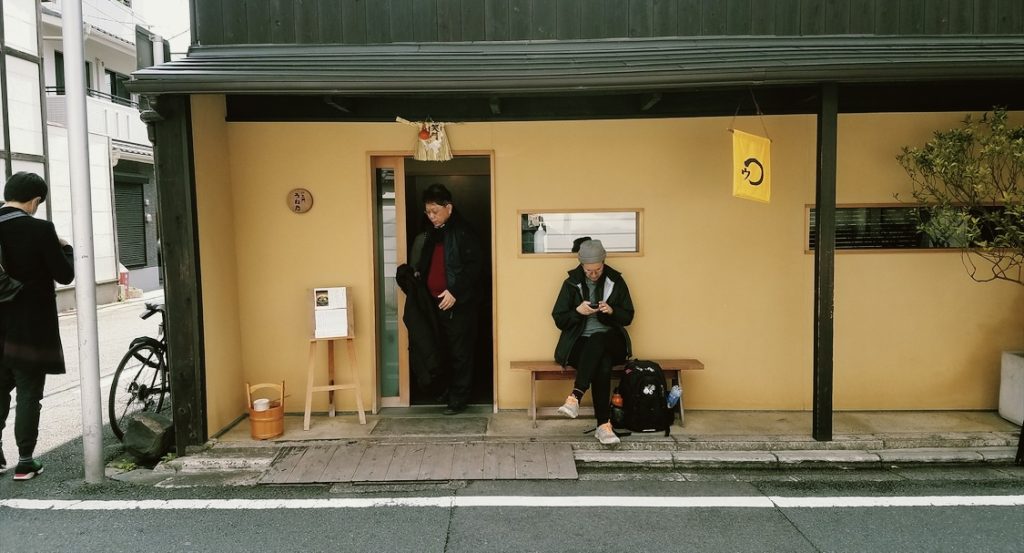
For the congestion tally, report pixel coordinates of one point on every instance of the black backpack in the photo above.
(644, 399)
(9, 287)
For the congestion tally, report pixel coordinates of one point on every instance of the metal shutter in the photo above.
(131, 225)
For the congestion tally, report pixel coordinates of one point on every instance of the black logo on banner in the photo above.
(747, 173)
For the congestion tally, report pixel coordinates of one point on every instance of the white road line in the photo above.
(762, 502)
(610, 501)
(900, 501)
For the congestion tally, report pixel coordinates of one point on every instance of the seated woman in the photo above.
(592, 310)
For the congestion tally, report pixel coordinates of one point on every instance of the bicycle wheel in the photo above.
(140, 385)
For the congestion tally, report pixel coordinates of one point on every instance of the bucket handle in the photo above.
(249, 389)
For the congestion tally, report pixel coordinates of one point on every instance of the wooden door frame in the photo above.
(396, 160)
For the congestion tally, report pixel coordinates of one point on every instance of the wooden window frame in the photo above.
(544, 255)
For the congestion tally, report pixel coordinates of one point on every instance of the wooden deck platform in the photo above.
(418, 462)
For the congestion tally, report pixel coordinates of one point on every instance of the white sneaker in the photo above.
(571, 408)
(606, 435)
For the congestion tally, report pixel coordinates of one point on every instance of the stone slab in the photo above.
(144, 477)
(226, 459)
(213, 479)
(768, 443)
(613, 459)
(627, 444)
(713, 459)
(826, 457)
(998, 454)
(929, 455)
(949, 439)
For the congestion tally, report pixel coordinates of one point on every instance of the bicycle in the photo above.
(141, 383)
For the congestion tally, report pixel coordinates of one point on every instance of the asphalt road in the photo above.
(595, 517)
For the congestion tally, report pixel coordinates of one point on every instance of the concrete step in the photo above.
(836, 458)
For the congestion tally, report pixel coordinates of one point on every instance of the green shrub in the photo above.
(970, 182)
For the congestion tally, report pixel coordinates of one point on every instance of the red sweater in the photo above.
(437, 282)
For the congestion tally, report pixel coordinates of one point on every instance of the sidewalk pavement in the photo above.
(156, 296)
(710, 439)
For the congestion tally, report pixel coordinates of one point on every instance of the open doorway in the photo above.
(398, 183)
(469, 180)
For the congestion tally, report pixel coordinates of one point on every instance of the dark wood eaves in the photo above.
(580, 66)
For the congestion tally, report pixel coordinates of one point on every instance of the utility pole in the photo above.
(81, 221)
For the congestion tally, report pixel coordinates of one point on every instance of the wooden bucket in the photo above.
(270, 423)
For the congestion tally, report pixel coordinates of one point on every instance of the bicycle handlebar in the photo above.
(152, 309)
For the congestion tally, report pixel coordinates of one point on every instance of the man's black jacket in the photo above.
(420, 318)
(29, 329)
(612, 288)
(462, 258)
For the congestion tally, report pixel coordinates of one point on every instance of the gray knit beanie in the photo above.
(592, 251)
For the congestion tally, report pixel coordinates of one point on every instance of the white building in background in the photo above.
(120, 153)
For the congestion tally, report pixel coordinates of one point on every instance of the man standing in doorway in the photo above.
(450, 264)
(30, 345)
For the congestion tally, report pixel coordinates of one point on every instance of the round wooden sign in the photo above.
(300, 200)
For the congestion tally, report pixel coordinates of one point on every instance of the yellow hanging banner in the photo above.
(751, 166)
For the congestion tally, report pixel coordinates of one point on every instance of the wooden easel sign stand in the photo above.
(332, 321)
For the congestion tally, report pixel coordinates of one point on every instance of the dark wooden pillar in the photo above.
(824, 261)
(170, 125)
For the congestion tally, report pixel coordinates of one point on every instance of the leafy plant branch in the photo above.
(970, 183)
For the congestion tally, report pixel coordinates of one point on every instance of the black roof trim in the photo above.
(534, 67)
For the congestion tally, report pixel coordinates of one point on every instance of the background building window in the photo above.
(118, 91)
(58, 77)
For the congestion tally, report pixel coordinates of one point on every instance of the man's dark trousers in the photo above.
(459, 330)
(30, 386)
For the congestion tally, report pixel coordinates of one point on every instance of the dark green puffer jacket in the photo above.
(614, 291)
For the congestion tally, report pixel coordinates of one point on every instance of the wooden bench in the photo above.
(549, 370)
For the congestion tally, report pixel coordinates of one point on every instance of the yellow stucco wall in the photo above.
(225, 376)
(912, 329)
(721, 279)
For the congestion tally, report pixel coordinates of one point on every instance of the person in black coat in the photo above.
(450, 261)
(592, 311)
(30, 346)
